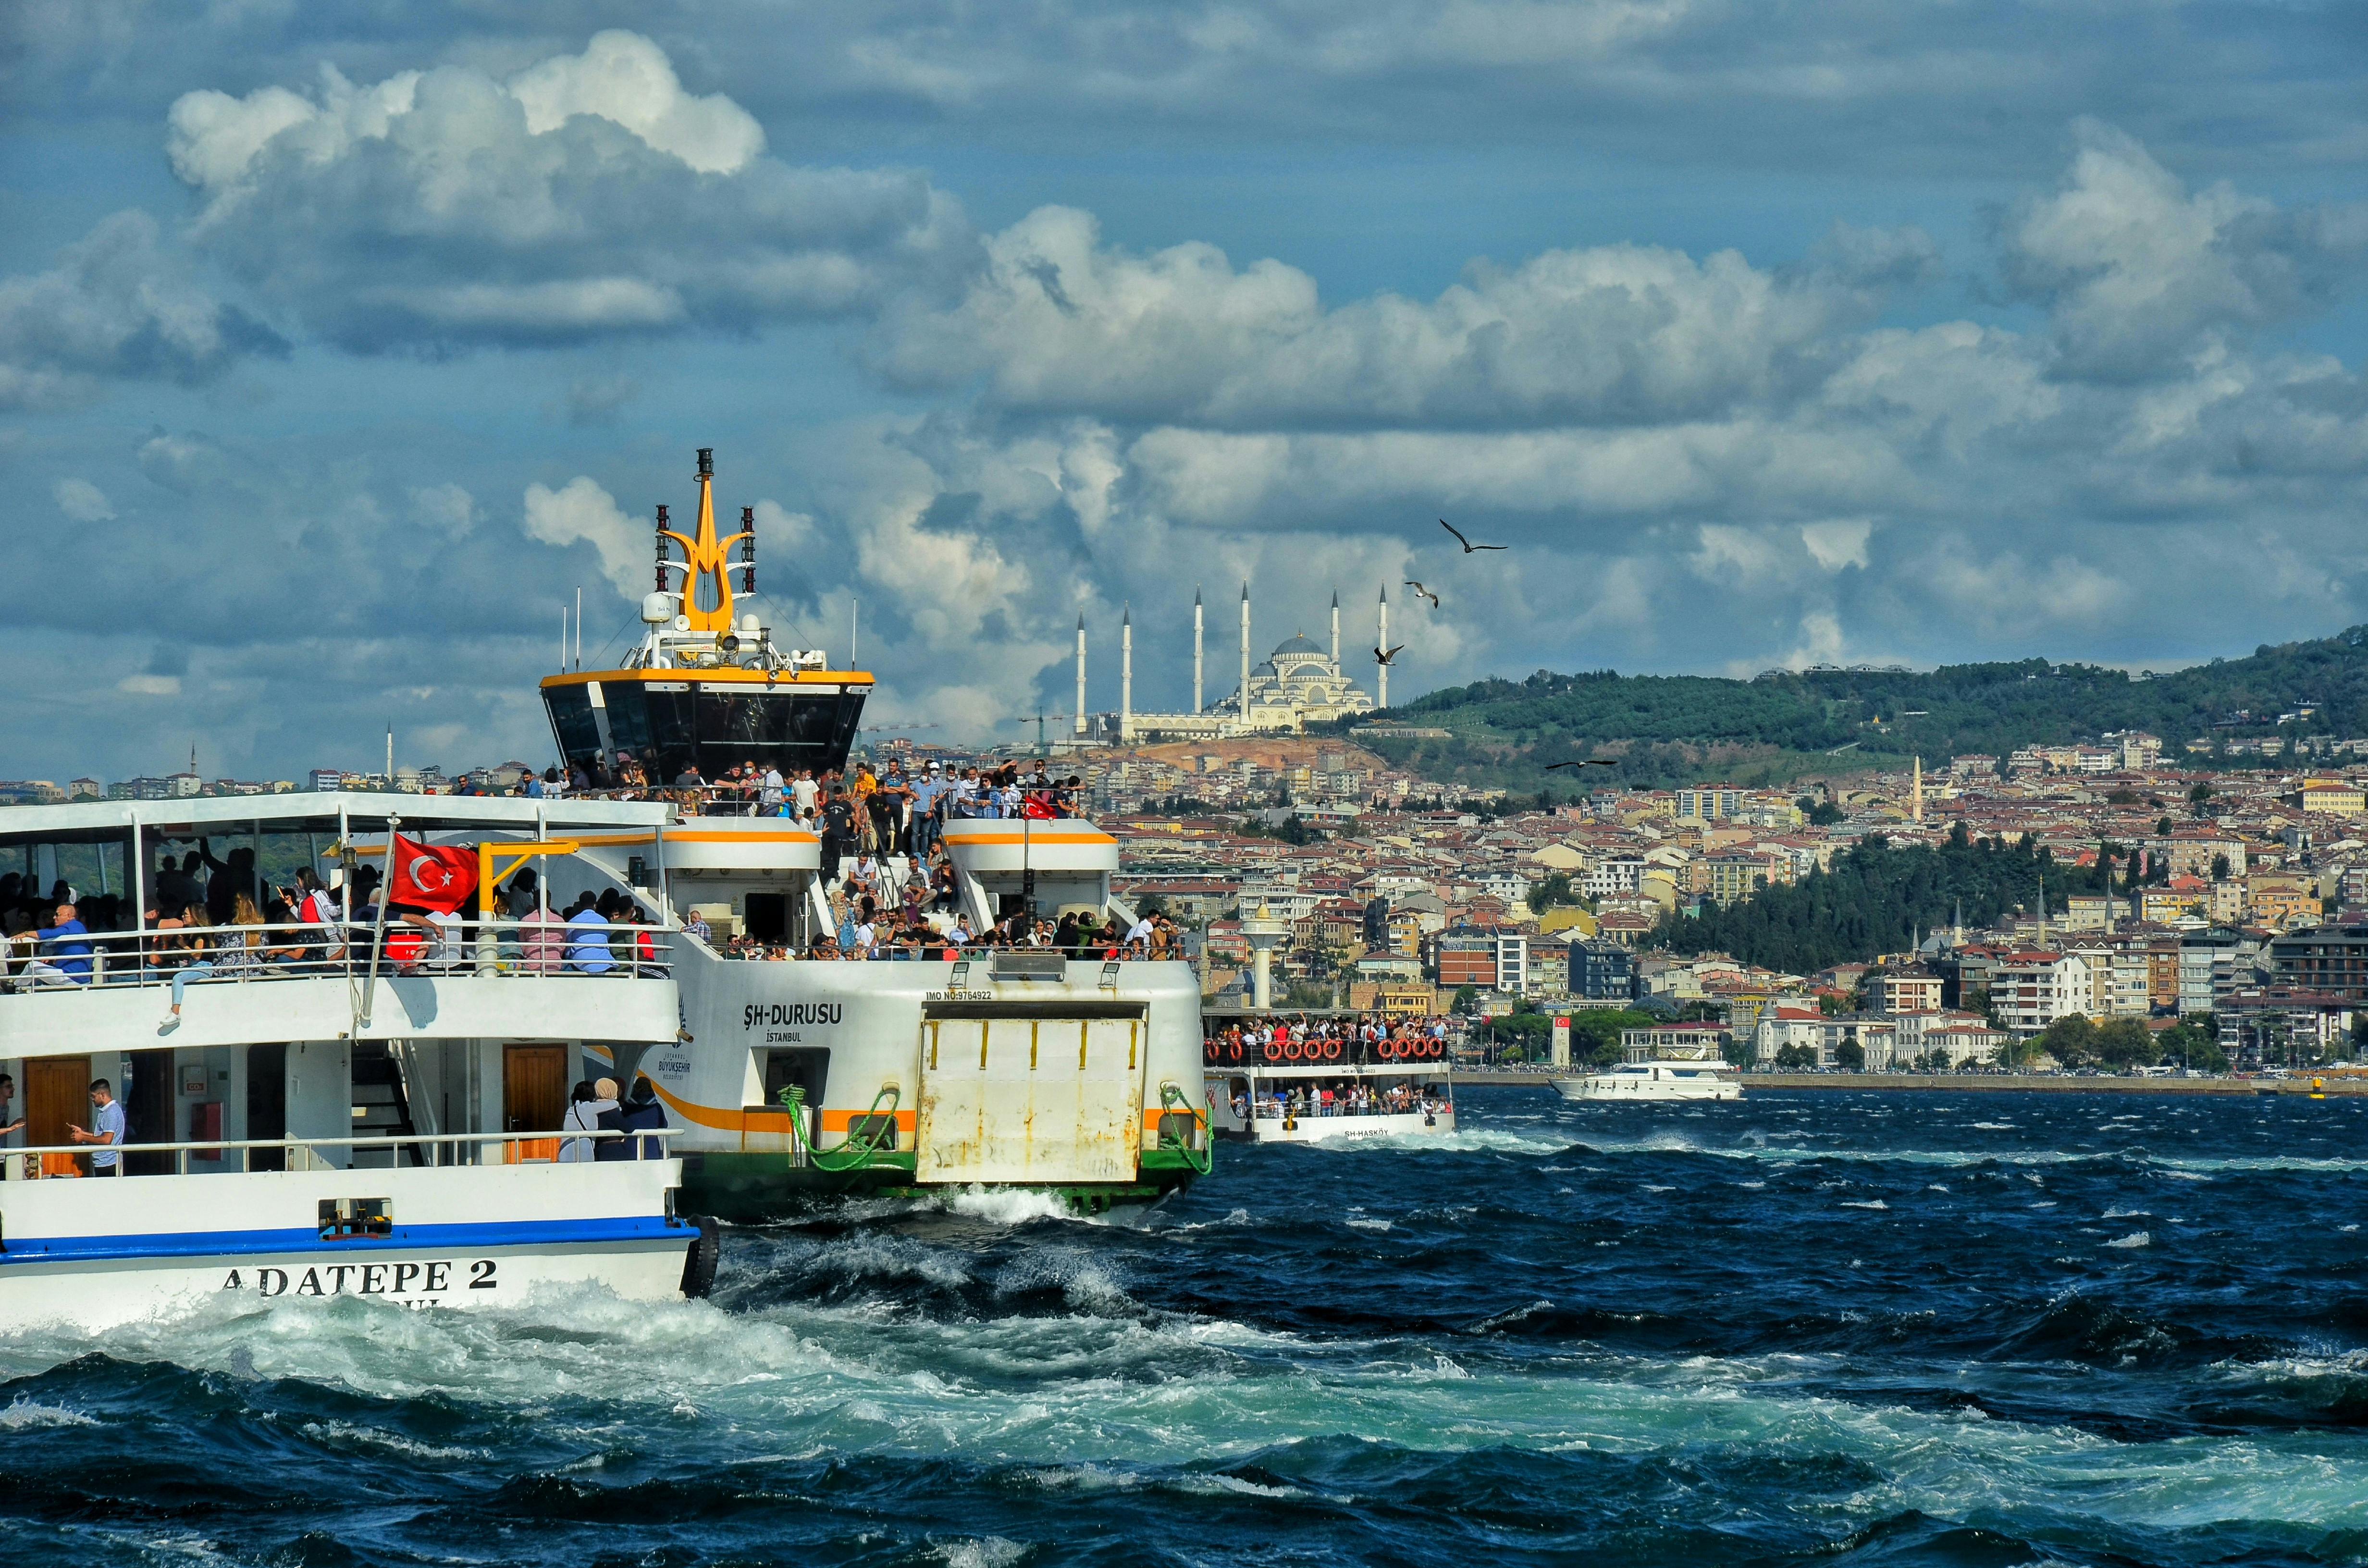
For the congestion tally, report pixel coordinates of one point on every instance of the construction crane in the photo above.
(1039, 719)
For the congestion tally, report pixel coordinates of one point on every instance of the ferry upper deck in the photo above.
(234, 958)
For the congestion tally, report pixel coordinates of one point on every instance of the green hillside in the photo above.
(1783, 725)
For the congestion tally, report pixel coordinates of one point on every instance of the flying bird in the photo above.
(1586, 762)
(1468, 546)
(1383, 657)
(1425, 593)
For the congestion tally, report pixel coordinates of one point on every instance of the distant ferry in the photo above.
(1316, 1076)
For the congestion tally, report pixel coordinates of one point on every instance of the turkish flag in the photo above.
(438, 876)
(1037, 807)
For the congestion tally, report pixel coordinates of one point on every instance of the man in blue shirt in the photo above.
(105, 1129)
(587, 939)
(69, 945)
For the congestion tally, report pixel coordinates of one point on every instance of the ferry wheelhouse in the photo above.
(943, 1070)
(347, 1102)
(1305, 1078)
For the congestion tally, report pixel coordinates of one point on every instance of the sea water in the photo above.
(1832, 1328)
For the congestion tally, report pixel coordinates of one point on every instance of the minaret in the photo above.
(1196, 650)
(1246, 655)
(1916, 794)
(1081, 674)
(1382, 671)
(1126, 675)
(1335, 630)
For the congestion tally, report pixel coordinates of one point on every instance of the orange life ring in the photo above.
(1331, 1050)
(1389, 1051)
(1291, 1050)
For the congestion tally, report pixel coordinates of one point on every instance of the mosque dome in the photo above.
(1298, 645)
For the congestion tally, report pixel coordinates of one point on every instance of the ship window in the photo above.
(342, 1218)
(571, 720)
(768, 916)
(806, 1068)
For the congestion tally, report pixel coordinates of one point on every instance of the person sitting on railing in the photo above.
(189, 954)
(587, 938)
(68, 942)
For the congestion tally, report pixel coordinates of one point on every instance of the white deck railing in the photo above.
(519, 948)
(48, 1161)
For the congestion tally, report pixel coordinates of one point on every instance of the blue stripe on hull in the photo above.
(301, 1239)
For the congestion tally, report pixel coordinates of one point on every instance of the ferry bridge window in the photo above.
(571, 717)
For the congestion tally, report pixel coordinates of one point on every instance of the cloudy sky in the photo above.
(341, 345)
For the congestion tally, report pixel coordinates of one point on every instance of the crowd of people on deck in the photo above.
(216, 919)
(1345, 1097)
(890, 885)
(1304, 1038)
(895, 810)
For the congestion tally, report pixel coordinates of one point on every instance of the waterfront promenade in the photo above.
(1977, 1083)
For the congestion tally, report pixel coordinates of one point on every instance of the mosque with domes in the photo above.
(1299, 684)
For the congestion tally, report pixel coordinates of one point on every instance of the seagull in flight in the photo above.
(1588, 762)
(1468, 546)
(1381, 656)
(1425, 593)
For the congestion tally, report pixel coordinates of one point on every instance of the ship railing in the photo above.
(1266, 1109)
(428, 1150)
(461, 946)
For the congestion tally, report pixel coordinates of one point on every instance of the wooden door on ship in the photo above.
(57, 1096)
(534, 1095)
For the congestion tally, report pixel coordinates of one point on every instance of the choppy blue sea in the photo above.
(1831, 1328)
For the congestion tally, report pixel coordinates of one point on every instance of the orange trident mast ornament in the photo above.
(705, 565)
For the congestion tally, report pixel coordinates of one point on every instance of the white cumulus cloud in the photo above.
(589, 196)
(580, 512)
(82, 501)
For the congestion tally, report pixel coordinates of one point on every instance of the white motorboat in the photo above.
(1655, 1081)
(340, 1106)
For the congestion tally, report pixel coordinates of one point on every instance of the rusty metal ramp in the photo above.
(1029, 1092)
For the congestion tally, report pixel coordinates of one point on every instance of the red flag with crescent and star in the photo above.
(437, 877)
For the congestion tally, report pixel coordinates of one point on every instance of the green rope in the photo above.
(1172, 1098)
(848, 1154)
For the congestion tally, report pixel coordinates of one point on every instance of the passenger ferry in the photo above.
(1311, 1076)
(794, 1074)
(337, 1105)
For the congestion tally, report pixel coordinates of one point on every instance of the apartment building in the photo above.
(2032, 988)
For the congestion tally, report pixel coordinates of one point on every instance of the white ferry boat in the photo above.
(793, 1074)
(337, 1105)
(1656, 1080)
(1311, 1077)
